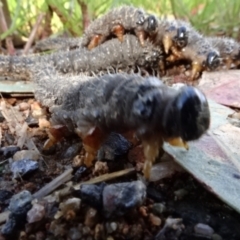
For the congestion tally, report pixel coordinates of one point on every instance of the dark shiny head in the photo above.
(181, 39)
(152, 23)
(188, 115)
(213, 60)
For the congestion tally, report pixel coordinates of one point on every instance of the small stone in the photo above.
(100, 168)
(98, 232)
(5, 196)
(9, 151)
(156, 221)
(26, 154)
(36, 213)
(80, 173)
(9, 226)
(91, 217)
(113, 226)
(20, 203)
(216, 237)
(115, 146)
(23, 167)
(119, 198)
(72, 151)
(91, 194)
(179, 194)
(203, 229)
(159, 208)
(23, 106)
(74, 234)
(143, 211)
(70, 207)
(31, 121)
(2, 118)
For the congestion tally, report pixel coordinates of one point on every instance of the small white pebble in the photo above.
(203, 229)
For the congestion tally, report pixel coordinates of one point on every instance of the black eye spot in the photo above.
(152, 23)
(213, 60)
(141, 20)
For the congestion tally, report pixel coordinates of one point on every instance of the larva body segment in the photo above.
(116, 22)
(229, 50)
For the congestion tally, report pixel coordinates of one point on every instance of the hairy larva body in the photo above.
(228, 48)
(114, 55)
(116, 22)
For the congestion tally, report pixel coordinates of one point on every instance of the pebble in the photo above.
(180, 194)
(9, 151)
(119, 198)
(91, 217)
(115, 146)
(91, 194)
(2, 118)
(100, 168)
(159, 208)
(70, 207)
(99, 232)
(79, 173)
(26, 154)
(111, 227)
(36, 213)
(20, 203)
(23, 167)
(72, 151)
(31, 121)
(203, 229)
(5, 196)
(74, 234)
(23, 106)
(9, 226)
(216, 237)
(156, 221)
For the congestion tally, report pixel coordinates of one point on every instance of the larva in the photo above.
(125, 56)
(121, 102)
(229, 50)
(57, 43)
(116, 22)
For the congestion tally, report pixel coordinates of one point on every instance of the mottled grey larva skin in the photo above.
(125, 55)
(130, 18)
(113, 54)
(121, 102)
(227, 47)
(57, 43)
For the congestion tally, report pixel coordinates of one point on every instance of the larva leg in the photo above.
(167, 43)
(196, 69)
(178, 142)
(141, 36)
(95, 41)
(55, 134)
(119, 31)
(176, 52)
(151, 151)
(91, 142)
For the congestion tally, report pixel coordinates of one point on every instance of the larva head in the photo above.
(151, 23)
(213, 60)
(187, 116)
(181, 38)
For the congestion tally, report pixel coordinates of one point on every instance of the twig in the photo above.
(3, 25)
(33, 33)
(85, 14)
(50, 187)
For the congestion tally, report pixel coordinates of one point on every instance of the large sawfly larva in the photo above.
(116, 22)
(113, 54)
(229, 50)
(95, 107)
